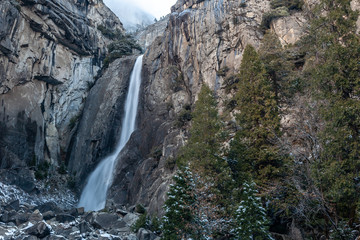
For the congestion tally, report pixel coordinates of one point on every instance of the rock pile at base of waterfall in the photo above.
(47, 221)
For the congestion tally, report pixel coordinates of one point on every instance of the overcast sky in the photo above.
(157, 8)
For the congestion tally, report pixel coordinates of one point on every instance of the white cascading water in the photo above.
(93, 197)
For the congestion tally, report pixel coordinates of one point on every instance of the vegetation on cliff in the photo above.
(308, 173)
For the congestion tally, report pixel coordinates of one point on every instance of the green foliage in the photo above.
(230, 82)
(108, 33)
(170, 163)
(342, 231)
(140, 223)
(250, 217)
(289, 4)
(178, 215)
(253, 150)
(204, 141)
(272, 15)
(140, 209)
(336, 78)
(62, 169)
(184, 116)
(283, 66)
(71, 183)
(122, 46)
(41, 170)
(222, 72)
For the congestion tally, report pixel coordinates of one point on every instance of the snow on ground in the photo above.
(64, 199)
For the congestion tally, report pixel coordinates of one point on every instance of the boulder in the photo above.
(22, 218)
(84, 227)
(130, 219)
(14, 205)
(48, 215)
(39, 230)
(49, 206)
(36, 216)
(104, 220)
(63, 218)
(144, 234)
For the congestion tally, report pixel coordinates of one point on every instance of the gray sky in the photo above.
(157, 8)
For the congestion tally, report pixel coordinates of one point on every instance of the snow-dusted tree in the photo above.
(178, 214)
(250, 216)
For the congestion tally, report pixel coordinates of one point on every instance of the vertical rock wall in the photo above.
(50, 53)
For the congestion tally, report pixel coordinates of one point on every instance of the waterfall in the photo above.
(93, 197)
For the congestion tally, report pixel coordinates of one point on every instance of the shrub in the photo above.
(230, 83)
(140, 209)
(73, 121)
(108, 33)
(142, 222)
(71, 183)
(123, 46)
(289, 4)
(222, 72)
(273, 14)
(184, 116)
(41, 171)
(62, 169)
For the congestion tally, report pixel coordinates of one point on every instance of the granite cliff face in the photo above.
(50, 53)
(201, 39)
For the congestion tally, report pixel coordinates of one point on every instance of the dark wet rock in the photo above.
(80, 211)
(48, 215)
(22, 218)
(21, 177)
(89, 216)
(104, 220)
(30, 238)
(100, 124)
(8, 216)
(14, 205)
(39, 230)
(84, 227)
(62, 217)
(49, 206)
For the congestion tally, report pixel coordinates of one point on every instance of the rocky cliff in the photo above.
(202, 38)
(50, 109)
(146, 36)
(50, 54)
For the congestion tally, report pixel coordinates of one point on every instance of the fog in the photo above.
(139, 12)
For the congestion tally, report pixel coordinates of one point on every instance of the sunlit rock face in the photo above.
(50, 53)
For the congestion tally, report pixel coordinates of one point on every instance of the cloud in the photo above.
(130, 14)
(155, 8)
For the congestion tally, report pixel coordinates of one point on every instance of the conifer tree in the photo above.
(202, 153)
(253, 147)
(178, 215)
(337, 80)
(204, 141)
(250, 217)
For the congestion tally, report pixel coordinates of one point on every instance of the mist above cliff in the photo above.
(130, 14)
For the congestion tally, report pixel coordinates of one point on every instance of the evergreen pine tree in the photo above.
(204, 141)
(250, 216)
(337, 79)
(253, 147)
(202, 153)
(178, 215)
